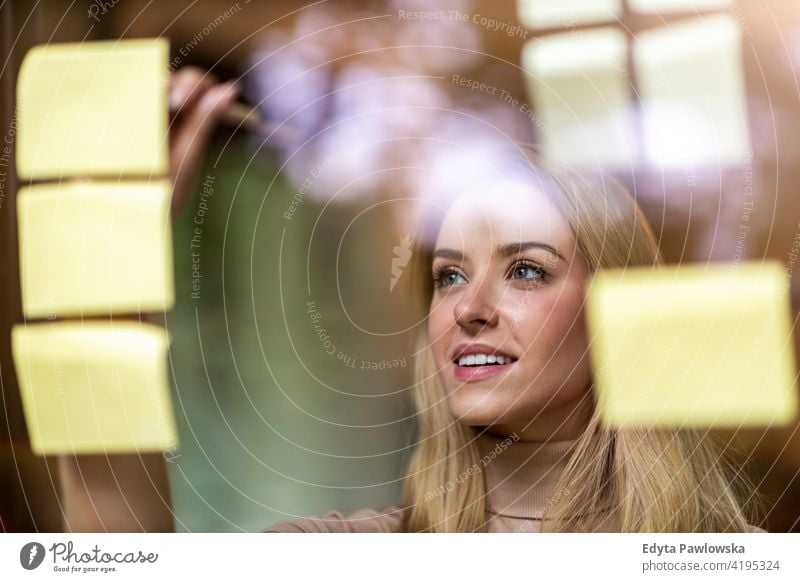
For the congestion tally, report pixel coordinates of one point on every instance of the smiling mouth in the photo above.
(475, 360)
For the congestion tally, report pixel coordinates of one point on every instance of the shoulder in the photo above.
(388, 520)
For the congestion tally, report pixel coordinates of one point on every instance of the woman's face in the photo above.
(506, 321)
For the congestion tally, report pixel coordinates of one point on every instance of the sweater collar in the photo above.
(521, 476)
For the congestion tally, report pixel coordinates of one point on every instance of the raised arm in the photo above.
(115, 493)
(130, 492)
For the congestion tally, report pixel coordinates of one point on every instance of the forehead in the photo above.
(506, 212)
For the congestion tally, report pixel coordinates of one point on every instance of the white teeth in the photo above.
(483, 359)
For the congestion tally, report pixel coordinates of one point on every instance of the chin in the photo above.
(477, 407)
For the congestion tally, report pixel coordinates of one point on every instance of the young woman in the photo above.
(508, 436)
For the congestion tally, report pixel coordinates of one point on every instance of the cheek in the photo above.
(553, 328)
(440, 324)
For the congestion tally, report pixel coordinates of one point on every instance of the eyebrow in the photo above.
(504, 250)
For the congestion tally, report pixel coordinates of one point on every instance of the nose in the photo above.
(476, 309)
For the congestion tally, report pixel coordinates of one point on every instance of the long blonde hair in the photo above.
(653, 480)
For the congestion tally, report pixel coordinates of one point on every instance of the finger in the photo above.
(187, 85)
(198, 122)
(191, 139)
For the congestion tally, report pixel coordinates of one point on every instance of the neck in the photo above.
(521, 476)
(562, 423)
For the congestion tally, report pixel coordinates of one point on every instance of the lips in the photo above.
(475, 362)
(475, 349)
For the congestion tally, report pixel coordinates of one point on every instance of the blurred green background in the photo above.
(271, 425)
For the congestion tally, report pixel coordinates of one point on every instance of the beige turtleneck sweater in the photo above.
(520, 477)
(520, 484)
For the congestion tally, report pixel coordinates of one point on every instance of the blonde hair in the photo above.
(654, 480)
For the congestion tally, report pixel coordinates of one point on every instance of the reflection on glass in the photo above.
(539, 14)
(667, 6)
(692, 89)
(579, 85)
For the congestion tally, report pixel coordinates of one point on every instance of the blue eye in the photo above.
(527, 272)
(446, 277)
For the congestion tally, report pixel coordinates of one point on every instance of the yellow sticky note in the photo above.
(95, 248)
(93, 109)
(693, 346)
(579, 89)
(94, 387)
